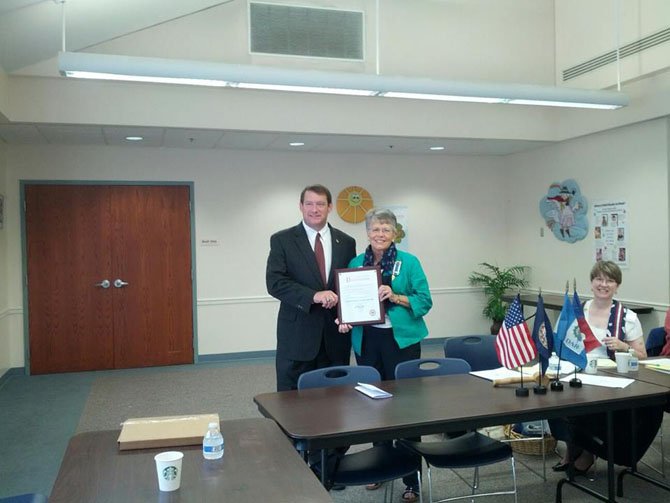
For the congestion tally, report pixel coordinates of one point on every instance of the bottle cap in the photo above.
(213, 425)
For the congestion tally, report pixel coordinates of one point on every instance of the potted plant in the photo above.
(496, 281)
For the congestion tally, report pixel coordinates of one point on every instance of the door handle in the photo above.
(119, 283)
(104, 283)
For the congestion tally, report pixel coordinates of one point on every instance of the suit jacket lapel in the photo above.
(302, 243)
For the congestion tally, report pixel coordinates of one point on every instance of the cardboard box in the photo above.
(169, 431)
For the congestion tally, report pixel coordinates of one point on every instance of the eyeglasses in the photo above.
(381, 230)
(604, 281)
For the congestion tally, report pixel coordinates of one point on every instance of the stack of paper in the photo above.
(372, 391)
(658, 364)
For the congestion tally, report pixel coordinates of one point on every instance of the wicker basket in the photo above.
(529, 445)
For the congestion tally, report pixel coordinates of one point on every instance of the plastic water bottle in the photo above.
(554, 363)
(633, 363)
(212, 444)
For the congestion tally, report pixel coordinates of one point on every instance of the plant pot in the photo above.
(495, 327)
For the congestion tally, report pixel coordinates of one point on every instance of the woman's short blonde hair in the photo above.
(607, 269)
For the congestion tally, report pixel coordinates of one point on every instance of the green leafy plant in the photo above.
(496, 281)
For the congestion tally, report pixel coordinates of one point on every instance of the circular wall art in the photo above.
(353, 203)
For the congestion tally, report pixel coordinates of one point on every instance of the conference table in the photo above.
(259, 464)
(323, 418)
(648, 375)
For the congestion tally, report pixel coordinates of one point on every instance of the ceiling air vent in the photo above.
(304, 31)
(640, 45)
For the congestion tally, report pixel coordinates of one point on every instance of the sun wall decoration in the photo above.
(353, 203)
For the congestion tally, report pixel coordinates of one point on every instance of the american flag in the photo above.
(514, 343)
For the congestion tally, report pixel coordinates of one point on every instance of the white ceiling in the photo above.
(30, 32)
(41, 134)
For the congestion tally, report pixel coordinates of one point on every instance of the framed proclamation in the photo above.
(358, 291)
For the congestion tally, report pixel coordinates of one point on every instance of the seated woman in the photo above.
(617, 329)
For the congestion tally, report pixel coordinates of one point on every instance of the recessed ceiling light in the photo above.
(134, 138)
(436, 148)
(297, 144)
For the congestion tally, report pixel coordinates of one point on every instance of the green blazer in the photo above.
(408, 324)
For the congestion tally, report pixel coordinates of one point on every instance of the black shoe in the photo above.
(560, 467)
(338, 487)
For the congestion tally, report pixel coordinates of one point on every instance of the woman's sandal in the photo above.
(373, 487)
(410, 494)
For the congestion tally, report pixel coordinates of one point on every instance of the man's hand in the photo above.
(343, 328)
(327, 298)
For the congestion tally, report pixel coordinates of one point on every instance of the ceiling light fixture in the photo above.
(134, 138)
(436, 148)
(296, 144)
(202, 73)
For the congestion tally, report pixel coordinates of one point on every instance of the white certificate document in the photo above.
(358, 291)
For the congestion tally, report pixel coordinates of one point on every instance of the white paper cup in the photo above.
(168, 469)
(591, 364)
(622, 360)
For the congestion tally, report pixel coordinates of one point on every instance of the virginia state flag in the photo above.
(590, 340)
(543, 335)
(514, 344)
(568, 339)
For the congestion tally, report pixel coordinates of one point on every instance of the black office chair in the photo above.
(478, 350)
(470, 450)
(380, 463)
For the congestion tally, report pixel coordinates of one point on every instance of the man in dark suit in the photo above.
(307, 337)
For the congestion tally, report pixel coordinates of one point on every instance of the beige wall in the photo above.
(462, 210)
(586, 30)
(627, 164)
(5, 336)
(242, 197)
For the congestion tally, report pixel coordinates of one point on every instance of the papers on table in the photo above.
(596, 380)
(606, 363)
(501, 373)
(372, 391)
(658, 364)
(528, 372)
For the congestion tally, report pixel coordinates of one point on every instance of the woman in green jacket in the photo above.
(406, 297)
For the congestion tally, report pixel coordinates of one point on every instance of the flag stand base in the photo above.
(540, 390)
(557, 386)
(575, 383)
(521, 392)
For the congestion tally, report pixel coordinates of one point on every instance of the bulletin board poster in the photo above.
(610, 232)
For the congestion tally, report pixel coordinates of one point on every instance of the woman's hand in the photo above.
(614, 344)
(342, 328)
(385, 292)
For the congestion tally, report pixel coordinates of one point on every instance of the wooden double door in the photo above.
(109, 279)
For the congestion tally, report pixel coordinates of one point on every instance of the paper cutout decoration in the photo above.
(564, 211)
(353, 203)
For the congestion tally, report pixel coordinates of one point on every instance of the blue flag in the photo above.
(543, 335)
(568, 339)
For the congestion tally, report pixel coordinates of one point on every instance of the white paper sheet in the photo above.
(500, 373)
(372, 391)
(596, 380)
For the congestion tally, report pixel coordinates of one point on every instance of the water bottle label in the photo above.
(212, 448)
